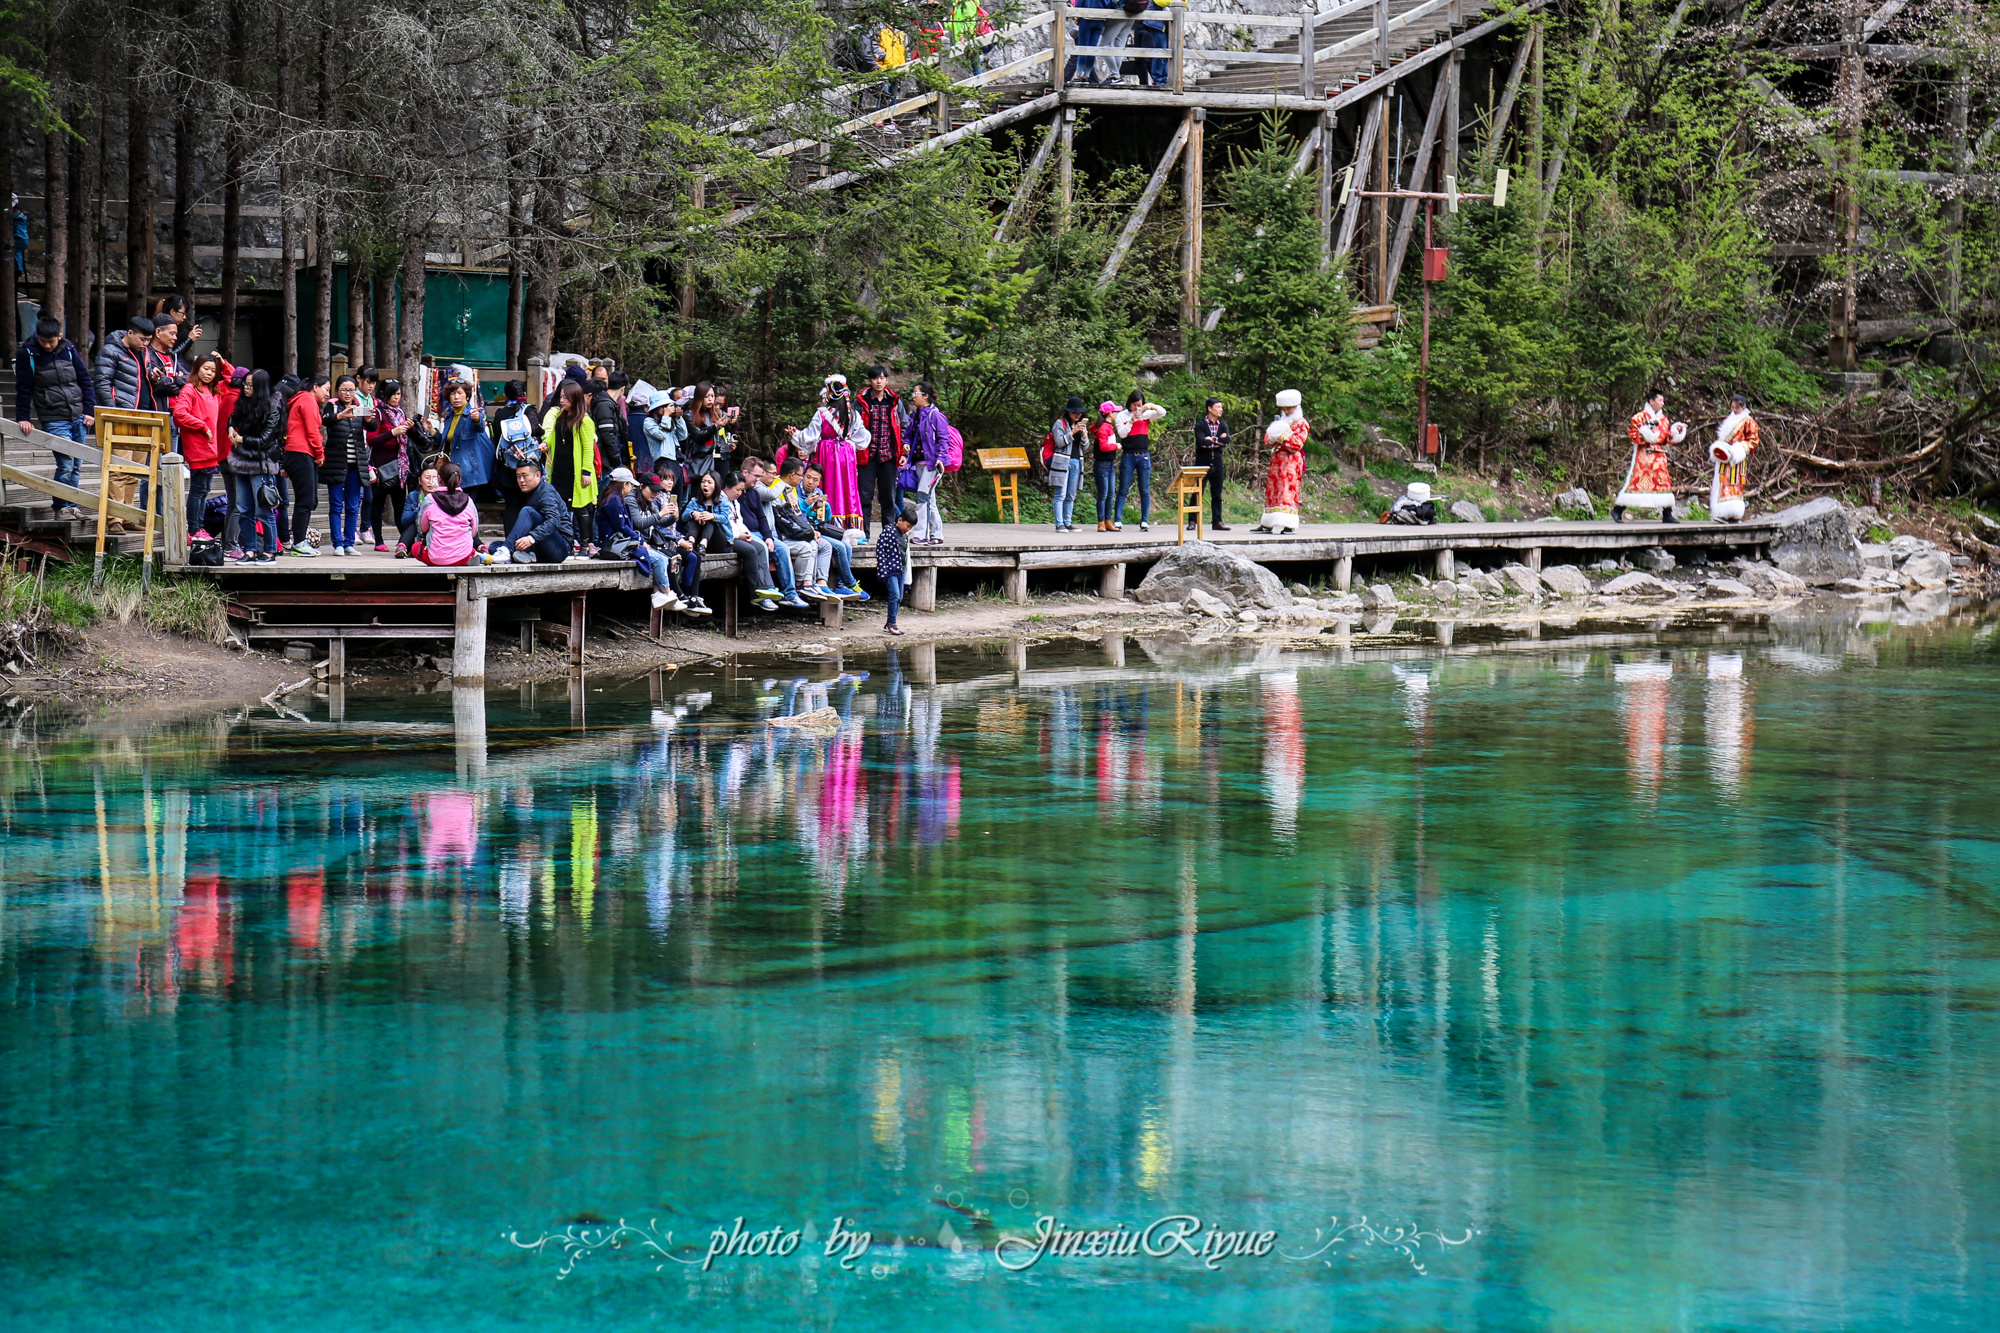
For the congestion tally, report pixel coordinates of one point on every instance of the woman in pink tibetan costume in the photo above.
(831, 439)
(1647, 483)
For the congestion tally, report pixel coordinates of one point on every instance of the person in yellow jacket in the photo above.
(571, 437)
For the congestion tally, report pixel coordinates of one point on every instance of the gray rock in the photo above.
(1464, 511)
(1521, 579)
(1247, 617)
(1479, 581)
(1376, 596)
(1727, 588)
(1863, 519)
(1656, 558)
(1902, 548)
(1877, 557)
(1985, 522)
(1638, 583)
(1771, 581)
(1816, 542)
(1566, 580)
(1301, 590)
(1605, 566)
(1199, 602)
(1213, 569)
(1858, 586)
(1927, 569)
(1576, 499)
(1443, 589)
(1379, 624)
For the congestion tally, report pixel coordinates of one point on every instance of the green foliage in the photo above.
(1499, 339)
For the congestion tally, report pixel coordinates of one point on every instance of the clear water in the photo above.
(1631, 982)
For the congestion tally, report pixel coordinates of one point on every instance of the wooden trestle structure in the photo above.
(1365, 71)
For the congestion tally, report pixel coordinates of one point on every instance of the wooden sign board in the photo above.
(1003, 460)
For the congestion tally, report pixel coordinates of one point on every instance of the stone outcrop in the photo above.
(1638, 583)
(1214, 570)
(1815, 542)
(1566, 580)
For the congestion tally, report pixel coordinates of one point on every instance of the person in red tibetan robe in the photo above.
(1735, 441)
(1647, 485)
(1287, 437)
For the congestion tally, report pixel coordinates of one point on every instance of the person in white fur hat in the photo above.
(1647, 484)
(1735, 441)
(1287, 437)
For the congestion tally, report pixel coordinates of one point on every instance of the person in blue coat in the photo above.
(464, 437)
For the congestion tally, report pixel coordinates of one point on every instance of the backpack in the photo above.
(954, 448)
(1048, 446)
(1137, 7)
(283, 390)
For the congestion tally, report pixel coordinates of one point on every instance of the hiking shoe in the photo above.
(236, 556)
(796, 602)
(661, 601)
(402, 551)
(305, 549)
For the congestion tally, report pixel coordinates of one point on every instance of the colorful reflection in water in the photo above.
(1643, 981)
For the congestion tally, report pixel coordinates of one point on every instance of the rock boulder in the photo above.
(1816, 542)
(1464, 511)
(1216, 571)
(1638, 583)
(1771, 581)
(1566, 580)
(1377, 596)
(1656, 558)
(1727, 588)
(1521, 579)
(1927, 569)
(1576, 500)
(1202, 603)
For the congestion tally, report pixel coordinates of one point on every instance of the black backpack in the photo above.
(1137, 7)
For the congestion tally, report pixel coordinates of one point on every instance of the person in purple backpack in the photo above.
(930, 443)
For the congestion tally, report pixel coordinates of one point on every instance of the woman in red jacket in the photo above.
(305, 450)
(195, 413)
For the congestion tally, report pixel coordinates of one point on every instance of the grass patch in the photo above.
(193, 607)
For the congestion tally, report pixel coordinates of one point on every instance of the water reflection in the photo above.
(1580, 944)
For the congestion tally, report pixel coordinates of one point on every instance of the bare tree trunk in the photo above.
(232, 187)
(100, 230)
(410, 345)
(55, 231)
(76, 255)
(358, 352)
(138, 200)
(184, 134)
(539, 307)
(516, 225)
(385, 351)
(288, 354)
(323, 296)
(9, 296)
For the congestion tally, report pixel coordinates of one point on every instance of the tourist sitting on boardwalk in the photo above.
(1414, 507)
(414, 503)
(754, 505)
(543, 532)
(1105, 466)
(833, 568)
(656, 514)
(701, 520)
(1735, 441)
(753, 557)
(1135, 462)
(1287, 437)
(1647, 482)
(449, 525)
(620, 536)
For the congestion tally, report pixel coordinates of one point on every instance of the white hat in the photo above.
(1419, 491)
(1288, 398)
(836, 378)
(621, 474)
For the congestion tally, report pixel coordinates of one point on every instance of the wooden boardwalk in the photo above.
(337, 598)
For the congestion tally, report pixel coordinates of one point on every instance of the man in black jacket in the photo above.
(541, 531)
(1211, 437)
(52, 382)
(607, 413)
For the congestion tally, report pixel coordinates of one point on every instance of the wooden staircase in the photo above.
(1342, 71)
(27, 519)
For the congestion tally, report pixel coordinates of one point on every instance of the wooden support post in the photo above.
(336, 700)
(1111, 583)
(1065, 162)
(732, 608)
(578, 715)
(1454, 67)
(1177, 41)
(1490, 156)
(468, 633)
(1323, 133)
(1015, 585)
(1381, 34)
(1533, 558)
(1026, 188)
(1058, 44)
(944, 111)
(831, 611)
(1191, 192)
(527, 638)
(656, 687)
(1381, 219)
(336, 657)
(173, 512)
(576, 629)
(1308, 78)
(1019, 649)
(1447, 564)
(1145, 204)
(656, 624)
(1364, 152)
(1343, 573)
(1419, 171)
(923, 588)
(1113, 645)
(923, 663)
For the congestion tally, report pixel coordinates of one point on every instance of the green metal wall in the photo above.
(465, 314)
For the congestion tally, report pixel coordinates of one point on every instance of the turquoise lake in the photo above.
(1629, 978)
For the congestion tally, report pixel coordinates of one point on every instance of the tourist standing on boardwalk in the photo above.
(517, 442)
(256, 439)
(1287, 437)
(345, 471)
(1735, 441)
(389, 455)
(571, 437)
(1135, 462)
(1211, 437)
(707, 445)
(305, 450)
(464, 436)
(1069, 445)
(1105, 466)
(196, 413)
(1647, 483)
(890, 563)
(52, 382)
(834, 438)
(876, 463)
(929, 443)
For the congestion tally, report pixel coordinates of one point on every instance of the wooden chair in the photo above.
(1186, 493)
